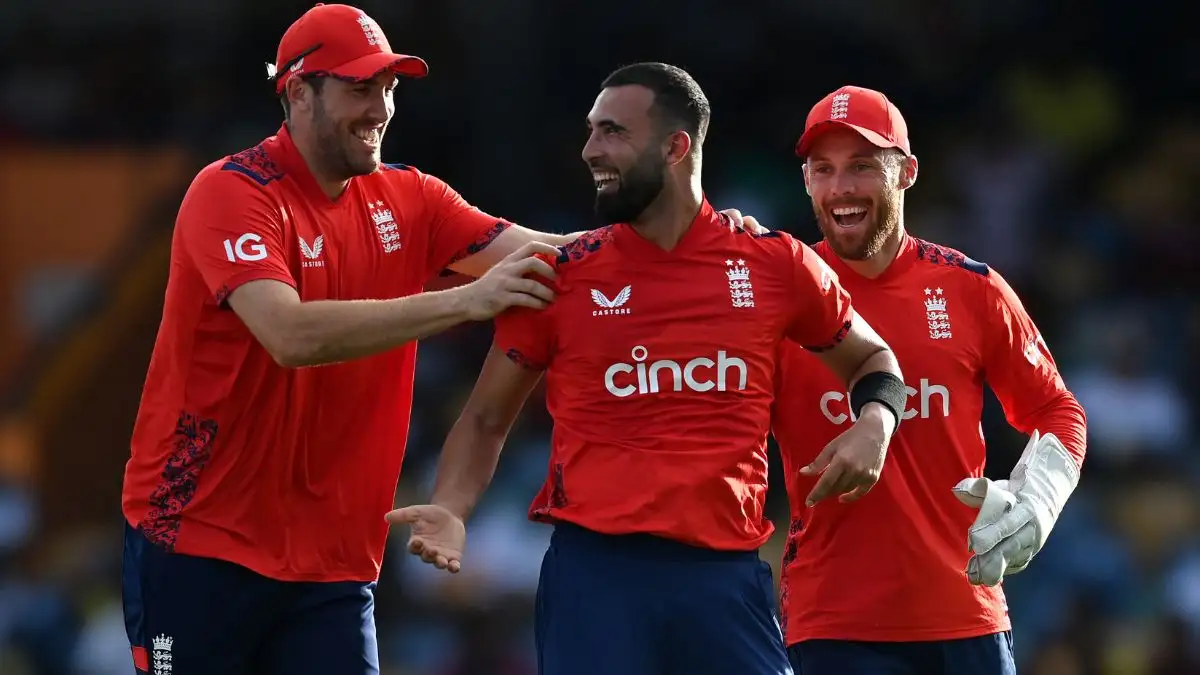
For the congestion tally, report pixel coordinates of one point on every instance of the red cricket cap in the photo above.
(341, 41)
(866, 111)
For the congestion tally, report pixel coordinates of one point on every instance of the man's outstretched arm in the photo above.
(852, 463)
(472, 448)
(300, 334)
(468, 461)
(1017, 514)
(826, 324)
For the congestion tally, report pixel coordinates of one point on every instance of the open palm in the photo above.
(437, 535)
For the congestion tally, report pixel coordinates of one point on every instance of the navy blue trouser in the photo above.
(642, 605)
(187, 615)
(984, 655)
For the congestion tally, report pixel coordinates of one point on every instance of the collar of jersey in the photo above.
(292, 162)
(905, 258)
(638, 247)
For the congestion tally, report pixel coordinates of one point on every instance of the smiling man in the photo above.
(906, 581)
(659, 355)
(254, 491)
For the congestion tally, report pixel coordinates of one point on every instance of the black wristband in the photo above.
(881, 387)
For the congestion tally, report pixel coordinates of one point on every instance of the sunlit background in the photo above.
(1059, 144)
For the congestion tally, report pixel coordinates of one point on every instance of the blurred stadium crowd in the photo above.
(1059, 144)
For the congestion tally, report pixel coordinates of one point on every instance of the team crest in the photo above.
(840, 108)
(936, 314)
(385, 226)
(160, 657)
(371, 30)
(741, 292)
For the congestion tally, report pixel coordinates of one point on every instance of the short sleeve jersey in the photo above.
(285, 471)
(953, 324)
(659, 376)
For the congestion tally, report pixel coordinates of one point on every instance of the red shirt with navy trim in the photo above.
(891, 566)
(659, 376)
(287, 472)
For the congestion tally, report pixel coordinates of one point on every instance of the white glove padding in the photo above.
(1017, 515)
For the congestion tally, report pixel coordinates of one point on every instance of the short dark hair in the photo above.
(678, 100)
(315, 80)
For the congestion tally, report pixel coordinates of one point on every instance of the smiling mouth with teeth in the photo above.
(604, 179)
(370, 137)
(849, 216)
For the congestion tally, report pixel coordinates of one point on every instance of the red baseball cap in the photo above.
(341, 41)
(866, 111)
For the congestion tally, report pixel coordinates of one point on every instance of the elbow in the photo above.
(302, 340)
(1064, 410)
(486, 427)
(292, 349)
(1077, 410)
(291, 358)
(287, 356)
(1067, 420)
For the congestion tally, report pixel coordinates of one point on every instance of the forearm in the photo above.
(329, 331)
(884, 396)
(466, 466)
(883, 361)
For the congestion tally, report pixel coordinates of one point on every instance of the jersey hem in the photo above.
(857, 634)
(190, 548)
(742, 547)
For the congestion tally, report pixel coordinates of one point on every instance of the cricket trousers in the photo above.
(644, 605)
(187, 615)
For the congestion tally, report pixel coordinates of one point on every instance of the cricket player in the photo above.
(254, 491)
(907, 580)
(660, 354)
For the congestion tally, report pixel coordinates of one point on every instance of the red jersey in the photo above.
(287, 472)
(891, 567)
(660, 370)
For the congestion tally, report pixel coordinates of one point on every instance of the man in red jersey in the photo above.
(255, 484)
(659, 354)
(906, 581)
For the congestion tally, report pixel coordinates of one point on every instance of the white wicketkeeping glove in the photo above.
(1017, 514)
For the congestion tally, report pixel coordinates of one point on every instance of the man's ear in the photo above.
(677, 147)
(299, 93)
(908, 172)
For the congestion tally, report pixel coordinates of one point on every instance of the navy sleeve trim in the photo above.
(837, 339)
(586, 244)
(948, 257)
(525, 362)
(481, 242)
